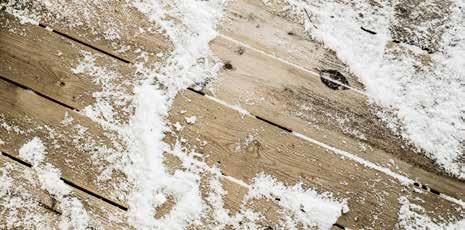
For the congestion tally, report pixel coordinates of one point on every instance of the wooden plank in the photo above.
(25, 115)
(249, 22)
(36, 55)
(76, 165)
(111, 26)
(43, 61)
(291, 98)
(20, 110)
(37, 202)
(372, 195)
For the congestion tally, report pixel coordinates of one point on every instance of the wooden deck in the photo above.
(303, 131)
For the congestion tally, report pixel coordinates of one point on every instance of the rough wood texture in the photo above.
(112, 26)
(43, 205)
(293, 99)
(43, 60)
(244, 146)
(26, 115)
(247, 21)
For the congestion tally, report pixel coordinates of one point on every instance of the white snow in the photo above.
(301, 206)
(422, 102)
(191, 120)
(74, 215)
(18, 208)
(413, 216)
(33, 151)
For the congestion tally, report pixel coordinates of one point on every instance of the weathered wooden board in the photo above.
(292, 98)
(38, 203)
(35, 55)
(244, 146)
(247, 21)
(77, 149)
(111, 26)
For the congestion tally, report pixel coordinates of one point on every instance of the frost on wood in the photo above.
(410, 56)
(18, 209)
(103, 19)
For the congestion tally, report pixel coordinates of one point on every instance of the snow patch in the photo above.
(413, 216)
(33, 151)
(74, 215)
(302, 206)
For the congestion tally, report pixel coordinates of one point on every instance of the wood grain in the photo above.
(115, 27)
(43, 61)
(28, 191)
(26, 115)
(274, 151)
(249, 22)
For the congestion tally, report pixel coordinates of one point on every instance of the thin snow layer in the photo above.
(19, 209)
(421, 93)
(192, 61)
(75, 13)
(413, 216)
(74, 216)
(302, 206)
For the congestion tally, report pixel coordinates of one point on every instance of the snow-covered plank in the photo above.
(111, 26)
(26, 201)
(26, 115)
(249, 22)
(65, 133)
(244, 146)
(291, 98)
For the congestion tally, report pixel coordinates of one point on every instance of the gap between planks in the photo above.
(70, 183)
